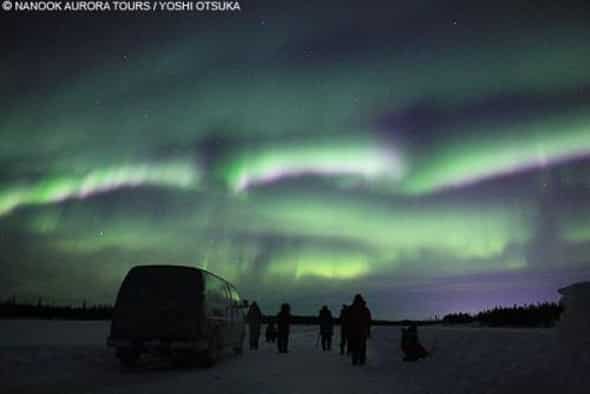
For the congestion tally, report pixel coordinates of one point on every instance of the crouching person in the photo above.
(411, 346)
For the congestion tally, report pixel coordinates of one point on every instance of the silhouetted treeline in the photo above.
(313, 320)
(544, 315)
(10, 309)
(536, 315)
(458, 318)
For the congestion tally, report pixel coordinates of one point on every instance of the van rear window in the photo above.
(162, 283)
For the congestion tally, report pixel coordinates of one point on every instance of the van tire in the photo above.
(212, 353)
(239, 348)
(128, 357)
(183, 359)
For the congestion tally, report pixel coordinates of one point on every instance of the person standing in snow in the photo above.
(344, 330)
(326, 328)
(254, 319)
(283, 322)
(271, 332)
(359, 329)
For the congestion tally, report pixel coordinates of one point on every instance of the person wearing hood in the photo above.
(254, 319)
(271, 332)
(344, 330)
(359, 329)
(410, 344)
(326, 328)
(283, 323)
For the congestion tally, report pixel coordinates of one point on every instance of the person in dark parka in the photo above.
(344, 330)
(254, 319)
(359, 329)
(271, 332)
(410, 344)
(283, 323)
(326, 328)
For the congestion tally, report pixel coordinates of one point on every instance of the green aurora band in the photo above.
(277, 172)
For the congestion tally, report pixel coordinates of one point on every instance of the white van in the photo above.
(177, 311)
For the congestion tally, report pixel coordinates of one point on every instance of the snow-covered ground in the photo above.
(71, 357)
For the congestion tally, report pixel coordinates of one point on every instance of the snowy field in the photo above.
(71, 357)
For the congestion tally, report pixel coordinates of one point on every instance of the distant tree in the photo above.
(542, 314)
(458, 318)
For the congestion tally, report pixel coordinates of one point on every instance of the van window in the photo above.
(234, 296)
(237, 313)
(216, 290)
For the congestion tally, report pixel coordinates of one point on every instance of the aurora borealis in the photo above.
(434, 156)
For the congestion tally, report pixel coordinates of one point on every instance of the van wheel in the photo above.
(128, 357)
(183, 359)
(239, 348)
(212, 354)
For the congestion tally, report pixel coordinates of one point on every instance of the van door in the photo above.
(228, 332)
(237, 320)
(217, 304)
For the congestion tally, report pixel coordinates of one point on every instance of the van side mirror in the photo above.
(244, 303)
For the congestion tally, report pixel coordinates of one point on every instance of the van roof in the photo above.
(175, 266)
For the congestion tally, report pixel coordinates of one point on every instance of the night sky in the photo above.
(434, 156)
